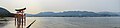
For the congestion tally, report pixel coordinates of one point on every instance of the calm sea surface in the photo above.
(67, 22)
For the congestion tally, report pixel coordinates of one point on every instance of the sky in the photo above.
(37, 6)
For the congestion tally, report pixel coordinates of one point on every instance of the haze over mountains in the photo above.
(75, 14)
(6, 13)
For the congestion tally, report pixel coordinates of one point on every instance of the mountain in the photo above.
(118, 13)
(29, 15)
(5, 13)
(108, 13)
(75, 14)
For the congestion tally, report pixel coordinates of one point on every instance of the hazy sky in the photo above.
(36, 6)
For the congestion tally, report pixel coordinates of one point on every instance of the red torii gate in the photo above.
(20, 18)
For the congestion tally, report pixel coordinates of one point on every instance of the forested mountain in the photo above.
(5, 13)
(75, 14)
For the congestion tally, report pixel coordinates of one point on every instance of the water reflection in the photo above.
(76, 22)
(4, 21)
(3, 24)
(70, 22)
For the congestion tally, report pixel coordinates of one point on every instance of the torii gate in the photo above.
(20, 18)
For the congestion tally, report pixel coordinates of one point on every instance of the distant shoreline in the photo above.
(73, 16)
(107, 16)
